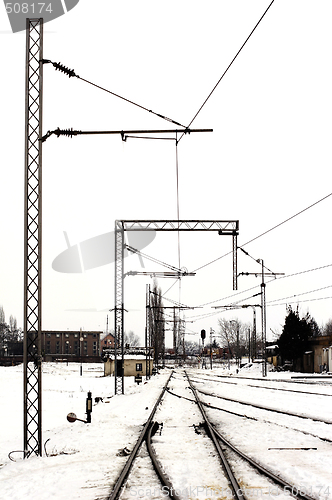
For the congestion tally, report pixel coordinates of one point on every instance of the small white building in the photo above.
(134, 363)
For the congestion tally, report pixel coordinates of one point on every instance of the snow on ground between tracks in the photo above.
(83, 460)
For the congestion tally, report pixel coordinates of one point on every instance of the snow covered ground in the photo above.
(83, 459)
(273, 439)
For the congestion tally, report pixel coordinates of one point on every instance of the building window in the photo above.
(94, 348)
(66, 335)
(67, 348)
(57, 347)
(76, 348)
(85, 348)
(139, 367)
(48, 347)
(85, 335)
(76, 335)
(48, 335)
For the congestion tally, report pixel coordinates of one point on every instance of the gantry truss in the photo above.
(32, 240)
(224, 227)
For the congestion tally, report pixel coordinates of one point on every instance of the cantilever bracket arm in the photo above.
(160, 274)
(123, 133)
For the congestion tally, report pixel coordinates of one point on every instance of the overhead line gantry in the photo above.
(223, 227)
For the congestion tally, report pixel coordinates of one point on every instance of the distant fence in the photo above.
(11, 360)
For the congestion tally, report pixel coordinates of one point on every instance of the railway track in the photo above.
(186, 426)
(265, 420)
(269, 408)
(237, 407)
(145, 434)
(253, 404)
(301, 380)
(271, 475)
(262, 386)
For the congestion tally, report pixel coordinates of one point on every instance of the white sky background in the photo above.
(268, 157)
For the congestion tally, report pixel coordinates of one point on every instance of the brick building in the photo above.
(71, 345)
(107, 342)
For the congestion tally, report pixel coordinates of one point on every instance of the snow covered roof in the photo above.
(109, 353)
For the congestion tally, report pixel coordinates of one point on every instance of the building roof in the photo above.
(107, 335)
(131, 353)
(72, 331)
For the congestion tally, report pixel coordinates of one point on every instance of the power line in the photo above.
(272, 280)
(299, 294)
(268, 305)
(219, 311)
(266, 232)
(303, 272)
(230, 64)
(287, 220)
(299, 301)
(169, 288)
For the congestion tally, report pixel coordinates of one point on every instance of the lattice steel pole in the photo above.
(32, 241)
(235, 260)
(263, 299)
(148, 333)
(119, 309)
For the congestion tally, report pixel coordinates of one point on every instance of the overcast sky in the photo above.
(268, 158)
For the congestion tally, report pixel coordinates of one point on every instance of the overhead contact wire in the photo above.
(228, 67)
(270, 281)
(266, 232)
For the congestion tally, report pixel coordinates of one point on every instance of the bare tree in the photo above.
(2, 316)
(191, 347)
(234, 336)
(3, 329)
(132, 339)
(12, 324)
(327, 329)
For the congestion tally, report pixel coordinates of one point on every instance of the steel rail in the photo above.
(234, 484)
(158, 468)
(277, 479)
(257, 419)
(127, 468)
(293, 380)
(264, 387)
(268, 408)
(291, 489)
